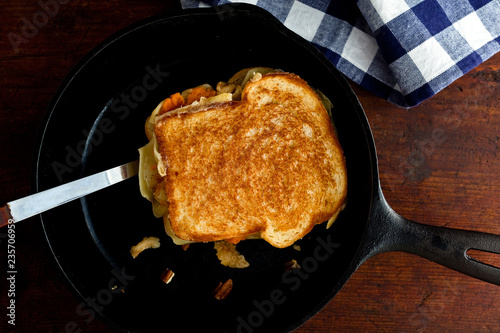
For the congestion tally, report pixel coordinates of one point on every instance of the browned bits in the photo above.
(185, 246)
(292, 264)
(167, 275)
(223, 289)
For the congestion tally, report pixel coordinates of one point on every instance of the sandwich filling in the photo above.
(256, 157)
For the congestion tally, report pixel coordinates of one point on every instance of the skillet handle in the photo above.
(445, 246)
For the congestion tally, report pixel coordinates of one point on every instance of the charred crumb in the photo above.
(223, 290)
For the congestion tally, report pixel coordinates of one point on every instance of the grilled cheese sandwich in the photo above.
(258, 159)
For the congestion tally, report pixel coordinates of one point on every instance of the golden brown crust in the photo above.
(270, 163)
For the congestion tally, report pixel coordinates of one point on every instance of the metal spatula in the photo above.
(37, 203)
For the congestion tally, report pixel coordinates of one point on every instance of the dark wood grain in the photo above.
(439, 164)
(5, 216)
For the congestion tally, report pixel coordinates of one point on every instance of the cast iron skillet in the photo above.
(96, 121)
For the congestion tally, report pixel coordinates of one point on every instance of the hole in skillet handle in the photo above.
(484, 257)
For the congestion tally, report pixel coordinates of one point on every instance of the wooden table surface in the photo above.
(439, 165)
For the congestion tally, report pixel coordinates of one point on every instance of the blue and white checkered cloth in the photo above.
(402, 50)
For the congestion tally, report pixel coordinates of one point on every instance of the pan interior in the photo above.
(96, 121)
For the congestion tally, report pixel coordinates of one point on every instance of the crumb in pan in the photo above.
(146, 243)
(229, 256)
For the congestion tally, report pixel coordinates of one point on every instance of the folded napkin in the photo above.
(402, 50)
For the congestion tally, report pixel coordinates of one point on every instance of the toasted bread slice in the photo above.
(270, 164)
